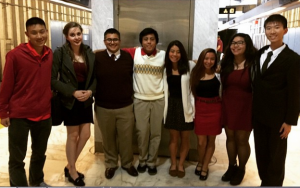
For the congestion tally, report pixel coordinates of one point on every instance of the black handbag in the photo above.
(56, 105)
(56, 109)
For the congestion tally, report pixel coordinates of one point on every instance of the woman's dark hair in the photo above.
(66, 30)
(148, 31)
(199, 70)
(227, 63)
(183, 63)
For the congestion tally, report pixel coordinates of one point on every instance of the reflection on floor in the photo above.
(92, 165)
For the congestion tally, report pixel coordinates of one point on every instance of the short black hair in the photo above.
(148, 31)
(34, 21)
(276, 18)
(112, 31)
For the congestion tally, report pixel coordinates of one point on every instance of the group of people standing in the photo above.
(139, 88)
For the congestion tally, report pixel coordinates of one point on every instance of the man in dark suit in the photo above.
(276, 101)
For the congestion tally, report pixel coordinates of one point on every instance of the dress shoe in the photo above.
(152, 170)
(67, 174)
(238, 177)
(141, 169)
(198, 172)
(77, 182)
(173, 173)
(203, 177)
(180, 174)
(230, 172)
(110, 172)
(131, 171)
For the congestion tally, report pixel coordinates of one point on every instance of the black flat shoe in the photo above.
(238, 177)
(204, 177)
(77, 182)
(198, 172)
(230, 172)
(67, 174)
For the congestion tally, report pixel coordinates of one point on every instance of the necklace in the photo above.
(238, 66)
(78, 59)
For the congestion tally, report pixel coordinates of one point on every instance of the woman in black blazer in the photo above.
(73, 78)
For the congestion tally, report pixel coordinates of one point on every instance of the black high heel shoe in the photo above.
(67, 174)
(198, 172)
(77, 182)
(204, 177)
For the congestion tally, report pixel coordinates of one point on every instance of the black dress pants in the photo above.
(18, 137)
(270, 152)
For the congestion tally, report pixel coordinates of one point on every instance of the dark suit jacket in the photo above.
(67, 83)
(276, 93)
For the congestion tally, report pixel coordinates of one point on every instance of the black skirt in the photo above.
(175, 116)
(79, 114)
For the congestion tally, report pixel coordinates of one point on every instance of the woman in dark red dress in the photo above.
(237, 104)
(205, 86)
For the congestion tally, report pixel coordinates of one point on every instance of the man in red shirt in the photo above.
(25, 106)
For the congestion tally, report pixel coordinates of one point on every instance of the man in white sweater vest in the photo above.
(148, 88)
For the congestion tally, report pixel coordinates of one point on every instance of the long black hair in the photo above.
(227, 63)
(183, 63)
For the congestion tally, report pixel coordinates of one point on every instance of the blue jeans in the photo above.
(18, 137)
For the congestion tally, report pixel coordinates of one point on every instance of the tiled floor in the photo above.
(92, 165)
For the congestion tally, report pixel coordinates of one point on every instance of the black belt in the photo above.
(210, 101)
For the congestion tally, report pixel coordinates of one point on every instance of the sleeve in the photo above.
(293, 97)
(7, 86)
(93, 78)
(56, 74)
(131, 51)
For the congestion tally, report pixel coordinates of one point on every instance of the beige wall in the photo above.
(14, 13)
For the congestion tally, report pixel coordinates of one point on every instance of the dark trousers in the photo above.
(218, 56)
(18, 137)
(270, 152)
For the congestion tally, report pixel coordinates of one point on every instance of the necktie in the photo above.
(113, 57)
(265, 65)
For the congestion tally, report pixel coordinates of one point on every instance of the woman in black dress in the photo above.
(179, 106)
(73, 64)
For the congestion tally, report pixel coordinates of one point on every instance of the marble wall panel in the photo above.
(205, 26)
(102, 19)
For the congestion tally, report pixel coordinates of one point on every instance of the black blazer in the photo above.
(276, 93)
(67, 83)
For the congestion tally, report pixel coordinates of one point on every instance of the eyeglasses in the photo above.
(239, 43)
(110, 40)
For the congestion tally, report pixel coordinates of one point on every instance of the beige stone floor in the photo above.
(92, 165)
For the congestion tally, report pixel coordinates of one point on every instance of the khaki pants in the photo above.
(149, 116)
(116, 126)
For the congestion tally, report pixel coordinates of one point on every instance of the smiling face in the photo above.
(209, 60)
(149, 43)
(112, 42)
(238, 46)
(275, 32)
(74, 37)
(174, 54)
(37, 35)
